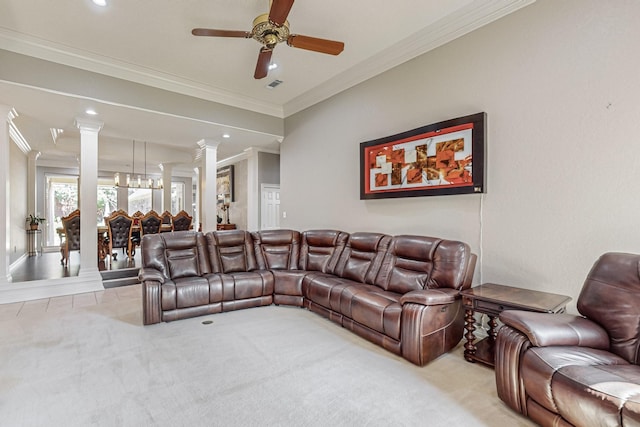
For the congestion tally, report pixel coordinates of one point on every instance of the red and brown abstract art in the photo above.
(439, 159)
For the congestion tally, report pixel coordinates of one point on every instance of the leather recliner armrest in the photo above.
(150, 274)
(430, 296)
(546, 329)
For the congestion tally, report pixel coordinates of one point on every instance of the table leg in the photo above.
(469, 325)
(493, 328)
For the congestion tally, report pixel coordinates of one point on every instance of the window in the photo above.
(140, 199)
(177, 197)
(107, 199)
(61, 198)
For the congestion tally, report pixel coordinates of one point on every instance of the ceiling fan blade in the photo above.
(317, 45)
(209, 32)
(262, 66)
(279, 11)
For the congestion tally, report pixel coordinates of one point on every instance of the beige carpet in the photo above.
(87, 360)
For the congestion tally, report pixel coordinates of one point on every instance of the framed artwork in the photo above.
(224, 185)
(439, 159)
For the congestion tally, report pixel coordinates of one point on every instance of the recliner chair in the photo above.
(562, 369)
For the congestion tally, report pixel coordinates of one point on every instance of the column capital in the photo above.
(251, 151)
(208, 143)
(88, 124)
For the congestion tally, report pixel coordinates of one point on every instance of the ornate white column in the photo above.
(167, 174)
(89, 201)
(208, 201)
(5, 154)
(253, 191)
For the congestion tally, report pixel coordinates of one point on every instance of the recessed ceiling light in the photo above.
(226, 135)
(273, 66)
(100, 2)
(91, 112)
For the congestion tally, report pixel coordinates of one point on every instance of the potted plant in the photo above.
(34, 221)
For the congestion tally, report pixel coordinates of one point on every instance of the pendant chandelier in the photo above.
(147, 182)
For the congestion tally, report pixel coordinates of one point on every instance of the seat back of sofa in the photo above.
(177, 254)
(419, 262)
(362, 257)
(321, 249)
(277, 249)
(231, 251)
(610, 297)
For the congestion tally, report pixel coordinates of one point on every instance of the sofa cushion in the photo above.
(321, 249)
(539, 365)
(367, 305)
(288, 282)
(596, 395)
(375, 308)
(362, 257)
(241, 285)
(182, 262)
(185, 292)
(231, 251)
(186, 249)
(277, 249)
(325, 289)
(418, 262)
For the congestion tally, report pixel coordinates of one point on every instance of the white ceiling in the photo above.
(150, 42)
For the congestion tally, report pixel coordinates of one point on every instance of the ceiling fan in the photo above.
(273, 28)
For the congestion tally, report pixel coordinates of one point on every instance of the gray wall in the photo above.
(268, 168)
(18, 205)
(559, 82)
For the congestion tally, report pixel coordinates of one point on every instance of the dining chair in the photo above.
(119, 228)
(135, 234)
(71, 226)
(166, 219)
(150, 223)
(181, 221)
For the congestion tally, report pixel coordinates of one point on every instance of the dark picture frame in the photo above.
(443, 158)
(224, 185)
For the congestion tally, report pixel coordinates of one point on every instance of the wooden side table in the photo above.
(492, 299)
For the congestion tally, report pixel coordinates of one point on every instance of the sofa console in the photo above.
(400, 292)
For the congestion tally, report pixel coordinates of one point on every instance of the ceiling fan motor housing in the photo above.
(268, 33)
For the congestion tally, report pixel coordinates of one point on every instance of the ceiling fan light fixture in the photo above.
(273, 66)
(268, 33)
(101, 3)
(270, 29)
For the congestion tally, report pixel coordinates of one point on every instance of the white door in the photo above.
(270, 207)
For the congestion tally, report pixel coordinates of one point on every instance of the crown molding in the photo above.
(475, 15)
(469, 18)
(62, 54)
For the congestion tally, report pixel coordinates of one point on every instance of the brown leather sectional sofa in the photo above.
(561, 369)
(399, 292)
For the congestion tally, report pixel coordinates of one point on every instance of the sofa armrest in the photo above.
(546, 329)
(430, 296)
(150, 274)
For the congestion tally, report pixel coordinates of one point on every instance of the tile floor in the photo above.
(69, 302)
